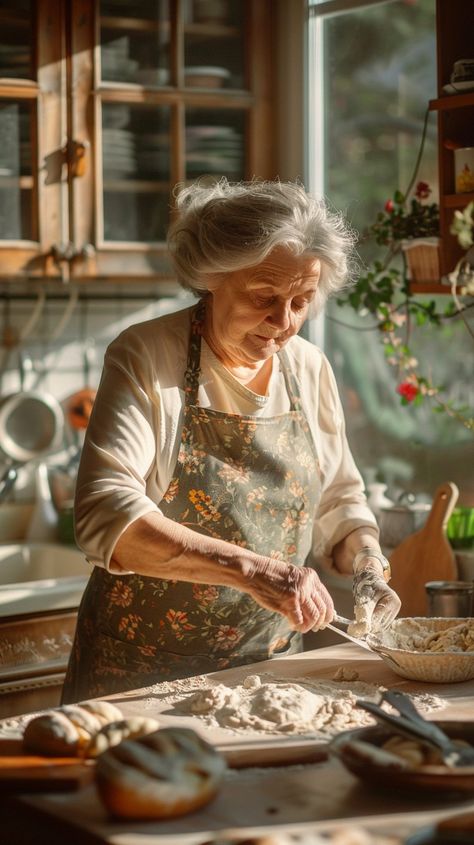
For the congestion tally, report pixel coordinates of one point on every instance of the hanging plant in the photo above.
(384, 291)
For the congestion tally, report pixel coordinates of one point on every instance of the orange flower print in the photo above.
(276, 555)
(247, 431)
(289, 522)
(147, 650)
(121, 594)
(227, 636)
(171, 491)
(258, 493)
(205, 593)
(179, 623)
(194, 461)
(203, 504)
(296, 489)
(282, 441)
(128, 625)
(305, 459)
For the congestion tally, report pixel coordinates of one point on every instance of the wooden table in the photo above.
(316, 795)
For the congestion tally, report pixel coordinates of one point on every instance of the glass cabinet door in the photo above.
(31, 156)
(165, 97)
(17, 127)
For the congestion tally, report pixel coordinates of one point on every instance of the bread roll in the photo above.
(114, 732)
(167, 773)
(67, 731)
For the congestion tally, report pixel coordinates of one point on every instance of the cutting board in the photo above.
(425, 555)
(21, 772)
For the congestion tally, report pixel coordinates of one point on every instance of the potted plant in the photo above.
(412, 224)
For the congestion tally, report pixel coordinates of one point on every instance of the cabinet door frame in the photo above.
(48, 139)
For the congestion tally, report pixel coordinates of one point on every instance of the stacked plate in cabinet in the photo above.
(118, 153)
(15, 61)
(214, 149)
(116, 64)
(153, 155)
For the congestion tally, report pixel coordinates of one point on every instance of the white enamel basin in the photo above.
(37, 577)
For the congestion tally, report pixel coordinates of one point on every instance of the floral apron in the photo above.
(253, 481)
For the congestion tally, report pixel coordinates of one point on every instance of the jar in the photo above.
(450, 598)
(464, 170)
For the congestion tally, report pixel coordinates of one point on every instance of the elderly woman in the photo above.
(215, 468)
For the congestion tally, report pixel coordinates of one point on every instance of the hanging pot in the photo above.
(31, 425)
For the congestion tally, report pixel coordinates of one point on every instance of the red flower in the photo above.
(423, 190)
(408, 390)
(389, 206)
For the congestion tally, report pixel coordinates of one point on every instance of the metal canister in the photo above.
(450, 598)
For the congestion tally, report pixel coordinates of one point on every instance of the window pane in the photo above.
(379, 72)
(16, 181)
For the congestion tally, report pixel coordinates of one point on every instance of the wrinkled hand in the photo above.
(375, 603)
(295, 592)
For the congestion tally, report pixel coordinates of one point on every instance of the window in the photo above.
(372, 70)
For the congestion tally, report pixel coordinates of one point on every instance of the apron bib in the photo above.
(253, 481)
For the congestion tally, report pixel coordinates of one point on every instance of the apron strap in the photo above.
(290, 381)
(193, 364)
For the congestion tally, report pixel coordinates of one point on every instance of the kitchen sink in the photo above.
(38, 577)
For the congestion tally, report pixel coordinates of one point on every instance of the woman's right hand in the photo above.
(296, 592)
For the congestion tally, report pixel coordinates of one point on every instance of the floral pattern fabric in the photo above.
(252, 481)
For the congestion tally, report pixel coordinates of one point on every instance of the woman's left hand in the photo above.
(376, 604)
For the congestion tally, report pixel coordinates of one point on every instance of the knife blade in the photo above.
(347, 636)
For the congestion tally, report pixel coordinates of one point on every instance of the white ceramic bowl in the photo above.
(436, 667)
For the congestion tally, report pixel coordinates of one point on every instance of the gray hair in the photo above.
(225, 227)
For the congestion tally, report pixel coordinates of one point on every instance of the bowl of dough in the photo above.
(431, 649)
(385, 759)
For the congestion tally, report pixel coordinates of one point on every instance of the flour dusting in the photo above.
(265, 704)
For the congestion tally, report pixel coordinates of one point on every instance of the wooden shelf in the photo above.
(452, 101)
(145, 186)
(457, 200)
(23, 182)
(210, 30)
(145, 26)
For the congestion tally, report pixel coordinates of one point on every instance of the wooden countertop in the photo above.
(316, 795)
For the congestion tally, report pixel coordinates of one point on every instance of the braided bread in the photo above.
(114, 732)
(167, 773)
(67, 731)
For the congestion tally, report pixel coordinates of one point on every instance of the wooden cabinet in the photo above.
(455, 108)
(105, 106)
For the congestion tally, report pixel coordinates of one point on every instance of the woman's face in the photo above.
(254, 312)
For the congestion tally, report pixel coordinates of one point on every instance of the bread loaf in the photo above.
(114, 732)
(67, 731)
(167, 773)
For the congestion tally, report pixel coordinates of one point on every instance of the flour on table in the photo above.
(266, 704)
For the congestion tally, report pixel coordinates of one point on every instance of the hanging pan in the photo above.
(31, 425)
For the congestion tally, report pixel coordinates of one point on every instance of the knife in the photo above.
(342, 633)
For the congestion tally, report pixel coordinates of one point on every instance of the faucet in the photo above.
(7, 481)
